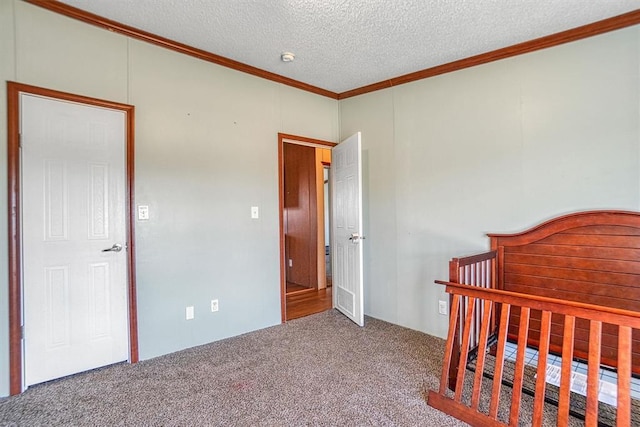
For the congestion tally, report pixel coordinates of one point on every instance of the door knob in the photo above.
(117, 247)
(355, 237)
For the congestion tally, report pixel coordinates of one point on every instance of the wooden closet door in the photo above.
(300, 215)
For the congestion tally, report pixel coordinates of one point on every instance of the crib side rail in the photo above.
(467, 408)
(474, 270)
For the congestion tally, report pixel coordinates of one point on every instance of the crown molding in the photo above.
(116, 27)
(606, 25)
(574, 34)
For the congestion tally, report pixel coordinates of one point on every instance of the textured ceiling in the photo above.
(346, 44)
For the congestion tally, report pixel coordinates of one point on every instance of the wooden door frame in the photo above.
(15, 231)
(284, 138)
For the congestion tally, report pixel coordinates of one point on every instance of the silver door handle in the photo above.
(117, 247)
(355, 237)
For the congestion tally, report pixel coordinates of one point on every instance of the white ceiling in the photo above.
(346, 44)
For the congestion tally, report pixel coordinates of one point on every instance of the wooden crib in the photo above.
(569, 286)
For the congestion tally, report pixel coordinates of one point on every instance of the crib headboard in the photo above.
(591, 257)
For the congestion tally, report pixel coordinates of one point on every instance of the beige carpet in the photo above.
(321, 370)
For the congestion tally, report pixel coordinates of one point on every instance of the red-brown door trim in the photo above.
(291, 139)
(15, 273)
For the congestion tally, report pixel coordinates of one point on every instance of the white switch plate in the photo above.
(214, 305)
(189, 313)
(442, 307)
(143, 212)
(255, 212)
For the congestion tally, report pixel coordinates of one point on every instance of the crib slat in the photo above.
(623, 416)
(464, 351)
(497, 376)
(593, 372)
(482, 349)
(453, 320)
(518, 373)
(478, 314)
(541, 380)
(565, 376)
(492, 285)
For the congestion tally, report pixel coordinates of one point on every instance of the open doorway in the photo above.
(304, 225)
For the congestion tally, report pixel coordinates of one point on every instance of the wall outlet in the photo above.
(255, 212)
(189, 313)
(214, 305)
(442, 307)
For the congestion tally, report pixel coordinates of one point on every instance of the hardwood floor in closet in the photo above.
(300, 304)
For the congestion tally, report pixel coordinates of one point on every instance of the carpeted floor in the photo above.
(320, 370)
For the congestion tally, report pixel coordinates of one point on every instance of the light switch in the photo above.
(255, 212)
(143, 212)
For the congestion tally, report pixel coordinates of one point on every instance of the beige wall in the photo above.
(495, 148)
(206, 151)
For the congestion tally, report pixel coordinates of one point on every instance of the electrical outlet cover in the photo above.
(442, 307)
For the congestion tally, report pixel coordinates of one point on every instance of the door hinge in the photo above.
(22, 332)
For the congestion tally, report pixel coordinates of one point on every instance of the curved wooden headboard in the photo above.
(591, 257)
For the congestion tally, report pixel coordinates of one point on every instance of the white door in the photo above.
(346, 179)
(73, 207)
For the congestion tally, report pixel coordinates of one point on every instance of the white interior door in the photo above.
(346, 179)
(73, 207)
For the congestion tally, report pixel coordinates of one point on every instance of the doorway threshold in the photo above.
(294, 289)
